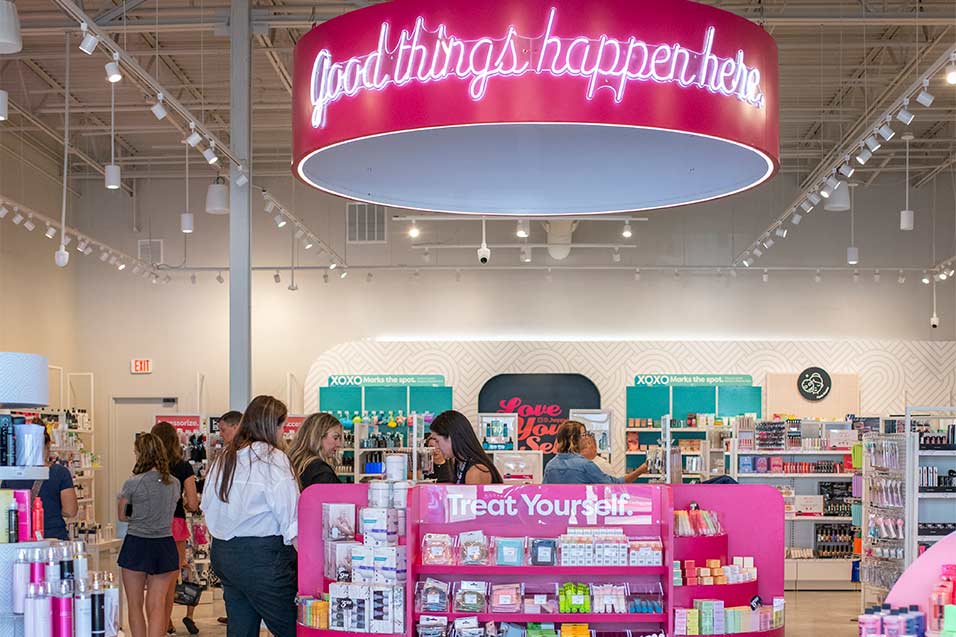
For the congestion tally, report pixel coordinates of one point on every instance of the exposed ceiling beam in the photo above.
(109, 15)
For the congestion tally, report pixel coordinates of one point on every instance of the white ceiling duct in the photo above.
(559, 238)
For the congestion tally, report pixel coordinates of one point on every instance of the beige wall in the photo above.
(784, 398)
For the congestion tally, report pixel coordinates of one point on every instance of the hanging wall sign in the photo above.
(188, 423)
(814, 384)
(385, 380)
(542, 402)
(694, 380)
(535, 107)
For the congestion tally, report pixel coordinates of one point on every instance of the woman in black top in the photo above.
(456, 439)
(188, 499)
(315, 450)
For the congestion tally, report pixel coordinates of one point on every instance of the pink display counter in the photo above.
(751, 517)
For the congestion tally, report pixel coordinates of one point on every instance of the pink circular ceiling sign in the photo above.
(534, 107)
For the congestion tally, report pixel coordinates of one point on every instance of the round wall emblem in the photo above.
(814, 383)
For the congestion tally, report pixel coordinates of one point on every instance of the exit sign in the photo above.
(141, 366)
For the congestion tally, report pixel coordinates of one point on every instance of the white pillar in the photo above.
(240, 247)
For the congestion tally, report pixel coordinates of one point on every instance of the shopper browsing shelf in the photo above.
(315, 450)
(250, 499)
(456, 440)
(188, 500)
(149, 558)
(56, 492)
(568, 466)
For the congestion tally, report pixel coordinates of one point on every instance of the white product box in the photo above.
(398, 606)
(363, 564)
(808, 504)
(338, 521)
(349, 607)
(379, 526)
(338, 560)
(391, 564)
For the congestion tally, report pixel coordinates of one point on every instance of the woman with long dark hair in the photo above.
(148, 558)
(249, 499)
(188, 500)
(455, 437)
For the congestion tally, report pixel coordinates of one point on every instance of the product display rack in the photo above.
(885, 469)
(930, 514)
(414, 428)
(543, 511)
(820, 547)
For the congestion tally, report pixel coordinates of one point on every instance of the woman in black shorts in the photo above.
(149, 558)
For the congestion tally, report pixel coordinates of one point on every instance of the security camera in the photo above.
(484, 254)
(934, 321)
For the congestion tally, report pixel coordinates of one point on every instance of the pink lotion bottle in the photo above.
(870, 623)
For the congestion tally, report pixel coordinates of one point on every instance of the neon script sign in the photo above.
(608, 63)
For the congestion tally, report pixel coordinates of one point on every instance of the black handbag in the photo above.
(188, 593)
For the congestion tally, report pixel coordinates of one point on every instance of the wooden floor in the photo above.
(808, 615)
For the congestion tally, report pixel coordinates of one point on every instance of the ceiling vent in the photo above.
(366, 223)
(150, 251)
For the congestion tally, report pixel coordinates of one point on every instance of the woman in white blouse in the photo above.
(249, 501)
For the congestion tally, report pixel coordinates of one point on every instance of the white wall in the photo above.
(40, 304)
(183, 327)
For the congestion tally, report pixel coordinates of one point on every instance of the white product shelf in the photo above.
(946, 453)
(24, 473)
(645, 429)
(820, 519)
(787, 476)
(937, 496)
(795, 452)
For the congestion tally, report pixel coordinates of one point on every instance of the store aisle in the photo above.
(809, 614)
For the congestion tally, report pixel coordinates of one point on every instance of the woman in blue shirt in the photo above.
(57, 494)
(568, 466)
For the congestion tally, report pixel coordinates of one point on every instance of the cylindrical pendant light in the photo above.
(113, 177)
(186, 219)
(217, 197)
(10, 40)
(3, 105)
(839, 200)
(907, 216)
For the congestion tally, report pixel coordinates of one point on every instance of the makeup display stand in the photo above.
(547, 511)
(11, 625)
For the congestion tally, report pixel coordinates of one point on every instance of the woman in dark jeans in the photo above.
(249, 500)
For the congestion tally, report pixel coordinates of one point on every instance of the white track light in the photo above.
(88, 45)
(856, 276)
(814, 199)
(309, 242)
(414, 231)
(765, 276)
(186, 222)
(50, 232)
(852, 255)
(219, 278)
(194, 137)
(4, 105)
(905, 115)
(242, 179)
(847, 170)
(833, 183)
(876, 276)
(3, 212)
(299, 233)
(88, 250)
(120, 266)
(269, 207)
(17, 217)
(873, 143)
(747, 263)
(29, 224)
(768, 242)
(277, 277)
(616, 255)
(637, 274)
(525, 254)
(817, 277)
(113, 73)
(104, 255)
(825, 192)
(886, 131)
(796, 218)
(901, 279)
(758, 252)
(925, 278)
(113, 259)
(159, 109)
(210, 153)
(522, 231)
(627, 233)
(333, 265)
(67, 239)
(344, 274)
(807, 206)
(782, 232)
(280, 221)
(925, 98)
(112, 177)
(951, 71)
(863, 156)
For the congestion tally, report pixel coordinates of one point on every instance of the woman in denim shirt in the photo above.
(570, 467)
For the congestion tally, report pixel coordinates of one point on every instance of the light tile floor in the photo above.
(809, 614)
